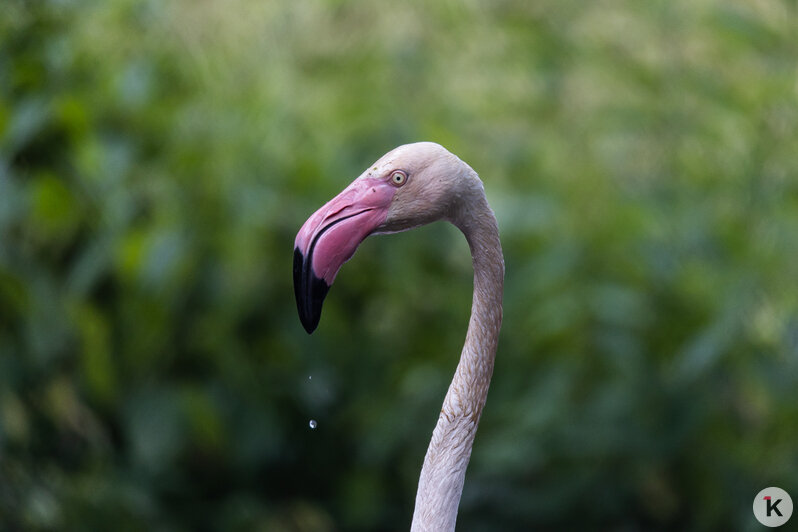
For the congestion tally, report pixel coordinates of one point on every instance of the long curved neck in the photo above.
(443, 473)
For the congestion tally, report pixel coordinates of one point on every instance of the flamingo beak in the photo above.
(330, 237)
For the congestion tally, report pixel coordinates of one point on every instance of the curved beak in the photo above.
(330, 237)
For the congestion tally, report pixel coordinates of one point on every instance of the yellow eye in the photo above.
(398, 178)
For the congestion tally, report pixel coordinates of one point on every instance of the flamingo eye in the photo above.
(398, 178)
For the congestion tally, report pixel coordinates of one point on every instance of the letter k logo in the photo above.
(772, 506)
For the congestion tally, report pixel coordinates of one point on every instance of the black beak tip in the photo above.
(309, 291)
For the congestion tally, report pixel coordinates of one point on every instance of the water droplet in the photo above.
(312, 423)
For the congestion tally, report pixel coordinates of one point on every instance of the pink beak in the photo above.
(330, 237)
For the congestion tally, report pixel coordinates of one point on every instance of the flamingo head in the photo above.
(409, 186)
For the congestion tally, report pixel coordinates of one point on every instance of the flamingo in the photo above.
(413, 185)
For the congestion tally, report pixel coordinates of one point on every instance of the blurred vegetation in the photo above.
(157, 159)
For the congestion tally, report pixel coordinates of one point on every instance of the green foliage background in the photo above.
(157, 159)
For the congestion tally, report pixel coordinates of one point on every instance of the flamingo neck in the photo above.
(443, 473)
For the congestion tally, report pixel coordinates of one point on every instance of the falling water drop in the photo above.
(312, 423)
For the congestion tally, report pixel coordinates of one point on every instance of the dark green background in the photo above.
(157, 159)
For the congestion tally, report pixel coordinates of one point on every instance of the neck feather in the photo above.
(443, 473)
